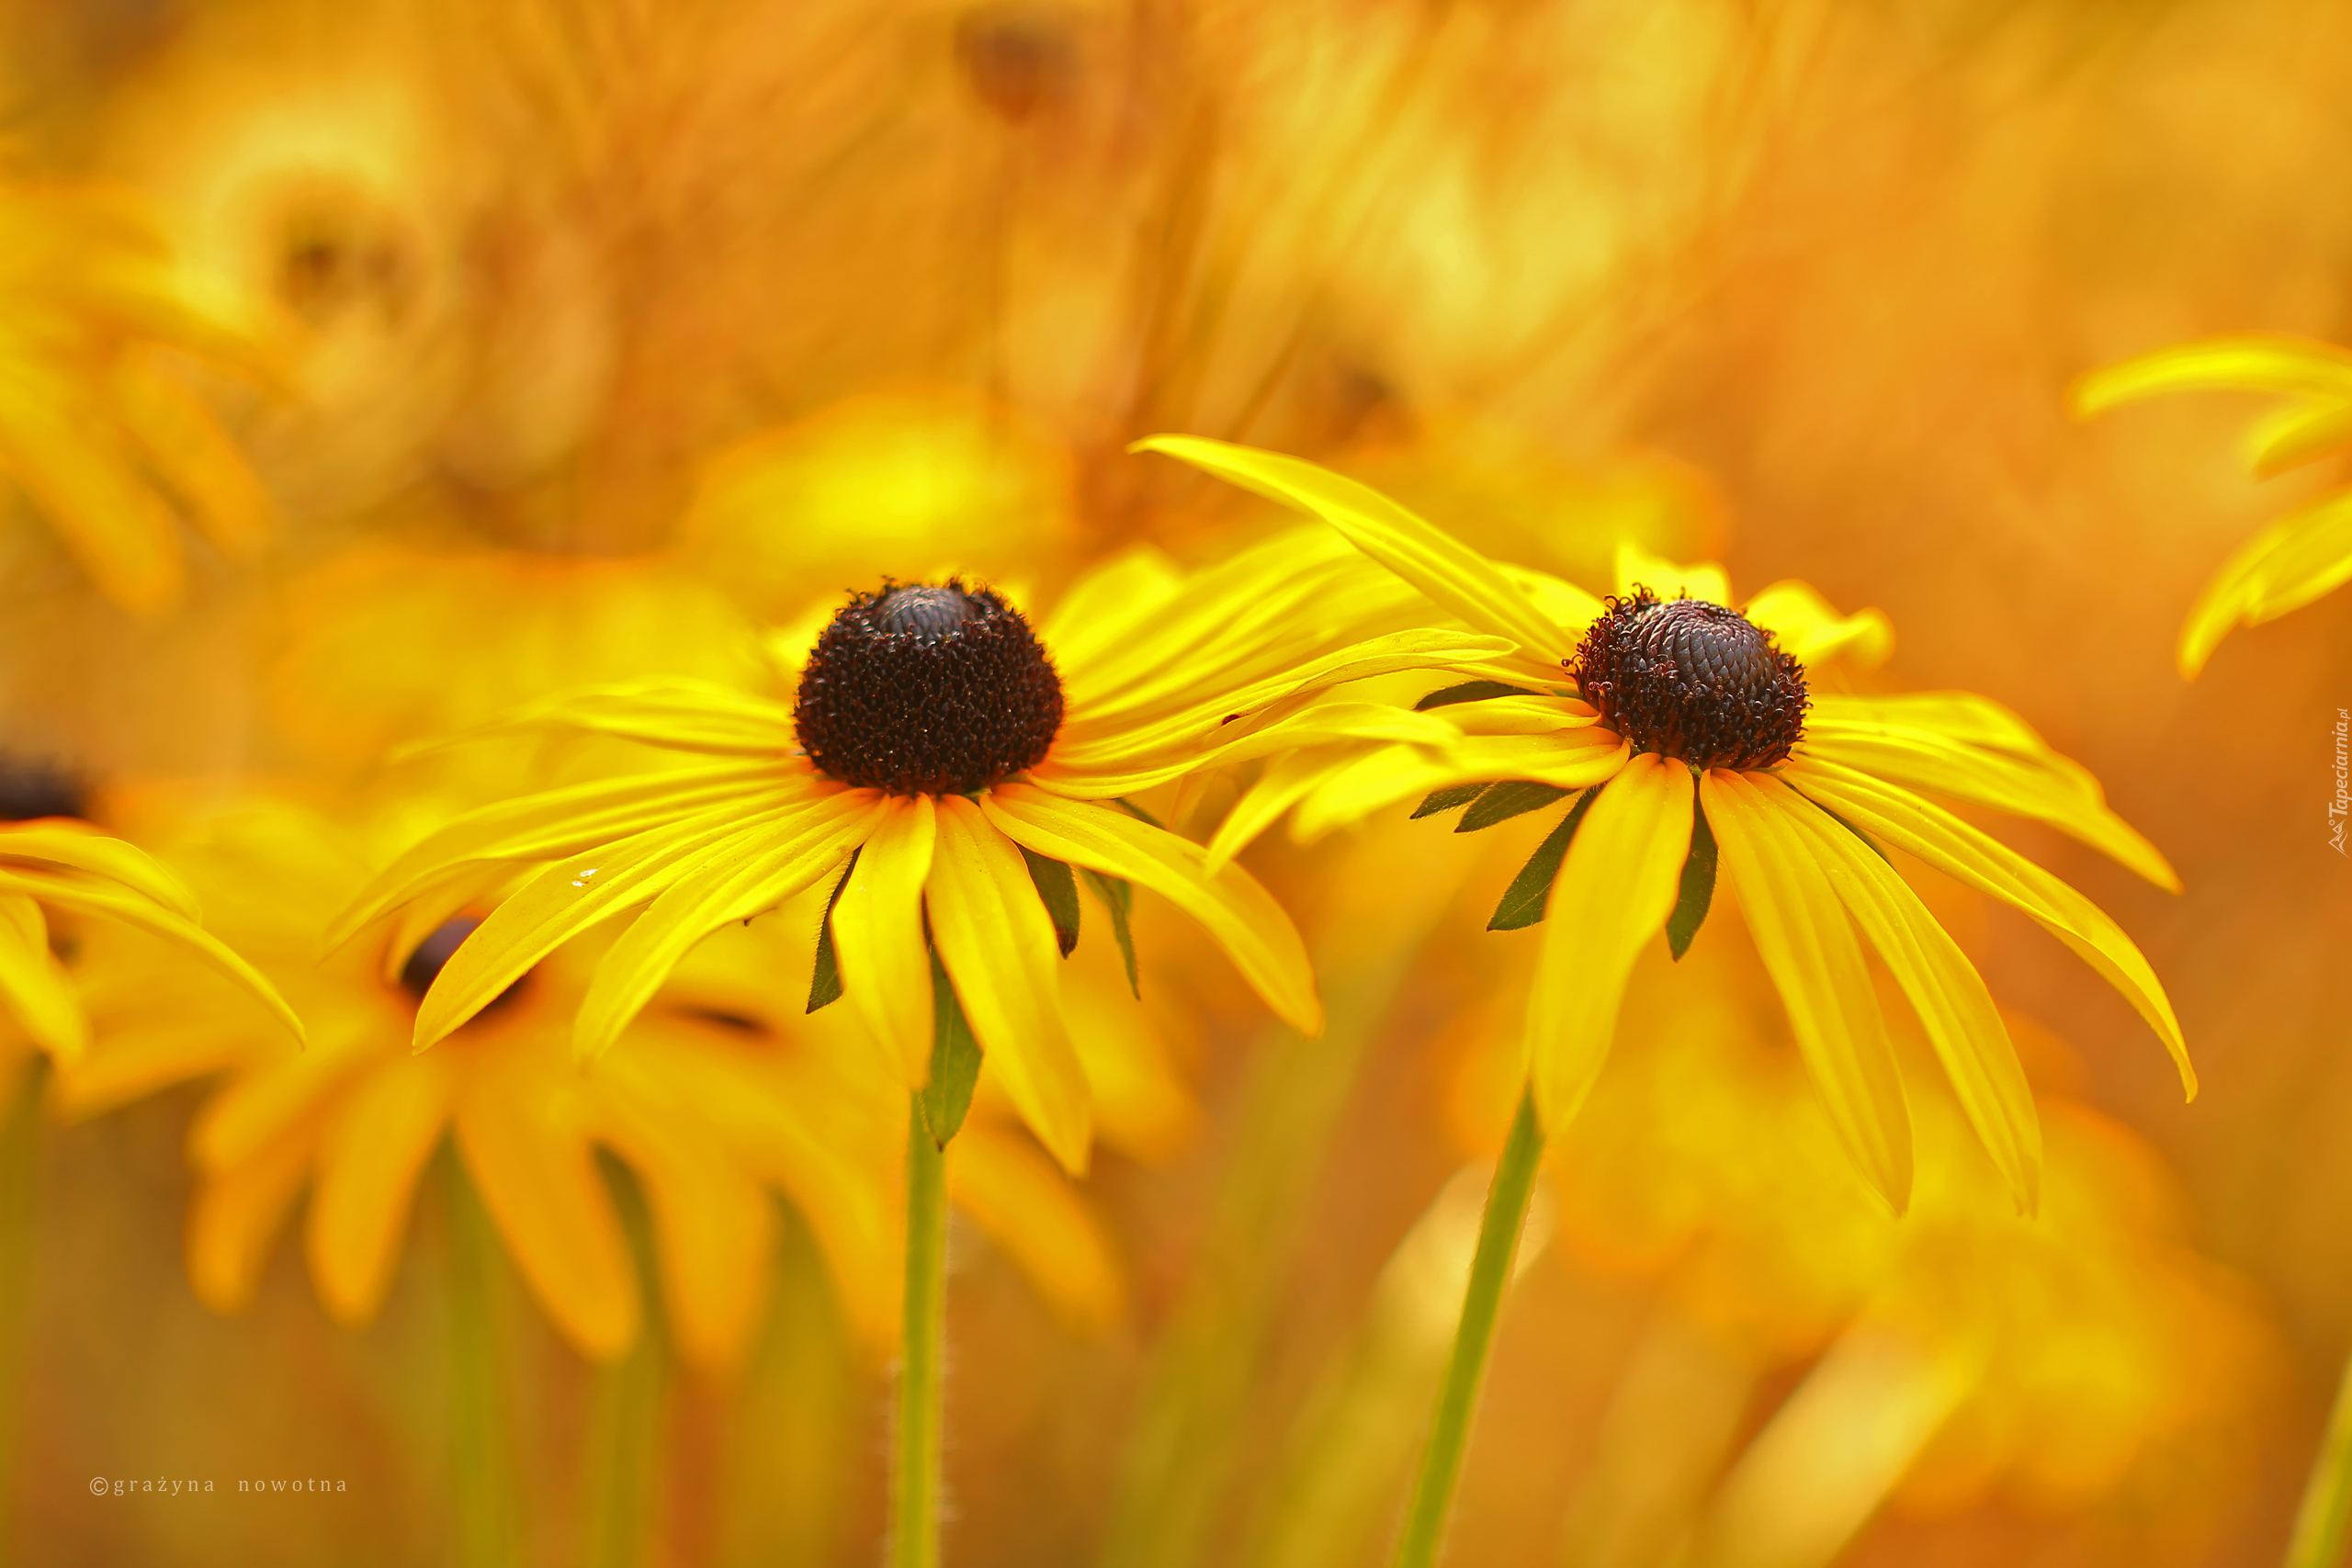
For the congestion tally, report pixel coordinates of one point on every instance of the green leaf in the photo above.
(1447, 799)
(1469, 692)
(825, 983)
(1522, 902)
(1058, 889)
(1118, 896)
(955, 1060)
(1698, 888)
(1510, 798)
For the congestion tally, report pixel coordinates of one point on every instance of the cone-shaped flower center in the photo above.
(927, 690)
(1691, 680)
(31, 788)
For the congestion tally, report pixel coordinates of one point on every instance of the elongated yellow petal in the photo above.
(1110, 604)
(235, 1213)
(997, 942)
(2296, 434)
(1808, 948)
(1874, 737)
(567, 898)
(1954, 1007)
(1452, 575)
(1636, 568)
(1946, 842)
(34, 986)
(1285, 781)
(138, 1061)
(537, 1177)
(178, 436)
(1611, 899)
(750, 872)
(1096, 771)
(119, 531)
(877, 935)
(1571, 760)
(1240, 913)
(2288, 564)
(560, 822)
(677, 714)
(97, 898)
(2253, 363)
(369, 1161)
(1807, 628)
(257, 1107)
(1032, 1212)
(84, 848)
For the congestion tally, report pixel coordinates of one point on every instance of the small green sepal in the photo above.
(1698, 888)
(1522, 902)
(825, 981)
(1512, 797)
(1469, 691)
(1058, 890)
(1118, 896)
(1447, 799)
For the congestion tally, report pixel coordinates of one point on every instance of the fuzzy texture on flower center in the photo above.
(1691, 680)
(927, 690)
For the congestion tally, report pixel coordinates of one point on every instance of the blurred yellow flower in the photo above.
(1628, 705)
(2307, 553)
(94, 428)
(962, 771)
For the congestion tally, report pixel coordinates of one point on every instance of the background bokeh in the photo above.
(612, 332)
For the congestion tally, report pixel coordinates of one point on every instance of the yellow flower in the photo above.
(695, 1100)
(1793, 789)
(2305, 553)
(59, 864)
(93, 429)
(963, 772)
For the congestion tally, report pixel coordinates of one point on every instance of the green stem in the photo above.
(2318, 1540)
(914, 1503)
(486, 1524)
(1490, 1271)
(624, 1447)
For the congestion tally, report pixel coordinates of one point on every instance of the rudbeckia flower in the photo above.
(2305, 553)
(93, 429)
(952, 769)
(1682, 733)
(59, 864)
(696, 1101)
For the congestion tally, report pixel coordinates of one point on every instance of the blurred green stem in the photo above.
(19, 1153)
(484, 1476)
(624, 1443)
(2318, 1540)
(1457, 1398)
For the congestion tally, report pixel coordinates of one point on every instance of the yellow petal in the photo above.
(753, 871)
(2288, 564)
(675, 713)
(178, 436)
(1610, 901)
(997, 942)
(1954, 1007)
(1036, 1217)
(257, 1107)
(878, 938)
(1240, 913)
(136, 1063)
(369, 1162)
(568, 898)
(2256, 362)
(1805, 626)
(1636, 568)
(1284, 783)
(1452, 575)
(84, 848)
(538, 1179)
(33, 984)
(235, 1213)
(97, 899)
(119, 531)
(1808, 948)
(1952, 846)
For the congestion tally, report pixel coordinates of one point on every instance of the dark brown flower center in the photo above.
(927, 689)
(1691, 680)
(34, 787)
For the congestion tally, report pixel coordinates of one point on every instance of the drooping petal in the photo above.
(33, 985)
(1954, 1005)
(2288, 564)
(1381, 779)
(537, 1176)
(235, 1213)
(179, 436)
(560, 822)
(1240, 913)
(83, 848)
(1810, 630)
(1808, 948)
(1893, 739)
(1453, 575)
(1985, 864)
(1098, 772)
(141, 1060)
(1611, 899)
(257, 1107)
(2255, 363)
(1031, 1211)
(764, 862)
(568, 898)
(132, 910)
(997, 942)
(1636, 568)
(879, 940)
(369, 1161)
(675, 713)
(1285, 781)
